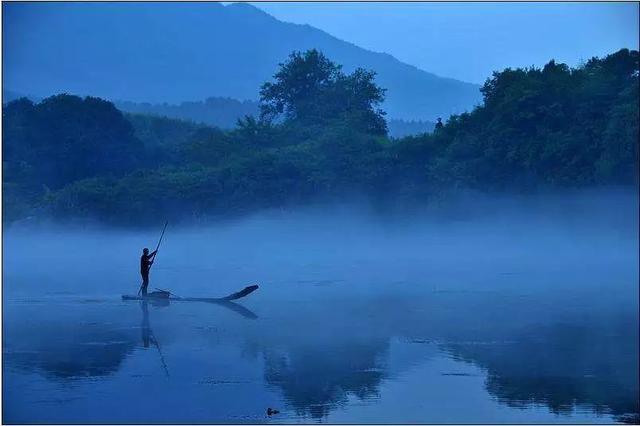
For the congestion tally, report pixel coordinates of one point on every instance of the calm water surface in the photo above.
(352, 323)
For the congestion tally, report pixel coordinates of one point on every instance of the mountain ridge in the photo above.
(192, 51)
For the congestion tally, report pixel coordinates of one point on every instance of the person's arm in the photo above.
(152, 255)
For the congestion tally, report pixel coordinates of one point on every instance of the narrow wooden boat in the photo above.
(167, 295)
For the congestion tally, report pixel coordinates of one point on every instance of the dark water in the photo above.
(355, 321)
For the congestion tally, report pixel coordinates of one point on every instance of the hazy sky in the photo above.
(469, 40)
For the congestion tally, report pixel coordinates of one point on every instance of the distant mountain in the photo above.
(169, 52)
(402, 128)
(219, 112)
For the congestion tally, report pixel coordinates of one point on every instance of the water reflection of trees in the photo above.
(581, 362)
(564, 367)
(567, 362)
(86, 341)
(315, 380)
(69, 350)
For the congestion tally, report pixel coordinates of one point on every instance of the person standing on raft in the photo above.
(146, 260)
(439, 125)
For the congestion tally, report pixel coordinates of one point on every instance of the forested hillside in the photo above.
(321, 134)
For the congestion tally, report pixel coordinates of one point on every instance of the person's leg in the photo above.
(145, 283)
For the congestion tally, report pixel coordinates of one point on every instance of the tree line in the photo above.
(321, 134)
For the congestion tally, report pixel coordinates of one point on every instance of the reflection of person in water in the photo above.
(145, 327)
(147, 334)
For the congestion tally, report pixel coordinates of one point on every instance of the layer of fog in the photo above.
(472, 235)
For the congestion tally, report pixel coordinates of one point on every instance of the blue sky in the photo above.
(468, 41)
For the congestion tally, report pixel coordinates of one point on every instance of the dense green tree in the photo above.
(313, 90)
(65, 138)
(162, 137)
(553, 126)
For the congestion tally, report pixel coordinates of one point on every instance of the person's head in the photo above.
(145, 250)
(439, 119)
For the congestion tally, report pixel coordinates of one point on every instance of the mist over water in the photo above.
(493, 309)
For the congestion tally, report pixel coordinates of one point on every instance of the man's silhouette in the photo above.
(439, 124)
(146, 260)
